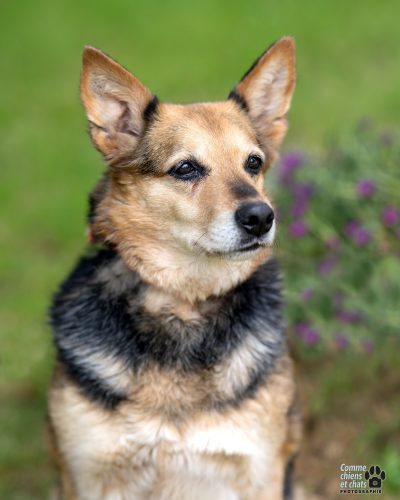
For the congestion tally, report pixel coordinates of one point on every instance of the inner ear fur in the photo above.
(265, 91)
(115, 102)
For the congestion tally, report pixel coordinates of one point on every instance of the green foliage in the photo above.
(391, 462)
(340, 241)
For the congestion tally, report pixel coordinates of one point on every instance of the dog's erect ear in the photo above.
(266, 90)
(115, 103)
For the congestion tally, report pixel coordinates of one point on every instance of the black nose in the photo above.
(255, 218)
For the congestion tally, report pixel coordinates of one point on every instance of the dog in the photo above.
(173, 378)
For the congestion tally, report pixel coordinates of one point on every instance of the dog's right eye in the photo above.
(186, 170)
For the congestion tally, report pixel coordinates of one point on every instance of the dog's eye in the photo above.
(253, 165)
(186, 170)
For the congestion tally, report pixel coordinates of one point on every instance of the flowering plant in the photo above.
(339, 242)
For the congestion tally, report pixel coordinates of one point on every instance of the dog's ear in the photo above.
(115, 103)
(266, 90)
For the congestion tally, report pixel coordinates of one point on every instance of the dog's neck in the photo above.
(187, 279)
(107, 333)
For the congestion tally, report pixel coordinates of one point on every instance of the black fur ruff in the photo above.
(98, 311)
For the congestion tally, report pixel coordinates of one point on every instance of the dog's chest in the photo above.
(200, 437)
(218, 449)
(136, 448)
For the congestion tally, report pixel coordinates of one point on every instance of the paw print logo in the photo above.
(375, 476)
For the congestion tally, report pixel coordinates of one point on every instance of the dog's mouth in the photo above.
(242, 250)
(249, 248)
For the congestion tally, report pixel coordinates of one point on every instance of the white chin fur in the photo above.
(241, 255)
(224, 238)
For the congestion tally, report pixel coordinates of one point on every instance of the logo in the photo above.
(375, 476)
(359, 478)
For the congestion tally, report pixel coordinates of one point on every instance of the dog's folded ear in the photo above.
(115, 103)
(266, 90)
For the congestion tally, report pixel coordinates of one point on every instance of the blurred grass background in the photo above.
(348, 65)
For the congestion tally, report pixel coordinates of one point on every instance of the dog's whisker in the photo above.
(199, 238)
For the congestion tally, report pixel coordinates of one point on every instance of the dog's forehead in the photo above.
(207, 127)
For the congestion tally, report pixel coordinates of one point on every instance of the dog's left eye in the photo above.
(253, 165)
(186, 170)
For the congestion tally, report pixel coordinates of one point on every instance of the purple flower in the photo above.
(311, 337)
(298, 229)
(367, 345)
(327, 265)
(390, 216)
(302, 194)
(361, 236)
(350, 317)
(351, 227)
(301, 328)
(303, 190)
(341, 341)
(366, 188)
(306, 294)
(290, 162)
(358, 233)
(299, 208)
(307, 333)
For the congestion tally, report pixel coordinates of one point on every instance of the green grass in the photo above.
(348, 63)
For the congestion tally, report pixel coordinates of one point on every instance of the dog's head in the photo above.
(183, 199)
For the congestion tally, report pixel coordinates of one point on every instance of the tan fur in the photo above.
(268, 89)
(167, 441)
(109, 91)
(163, 240)
(246, 447)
